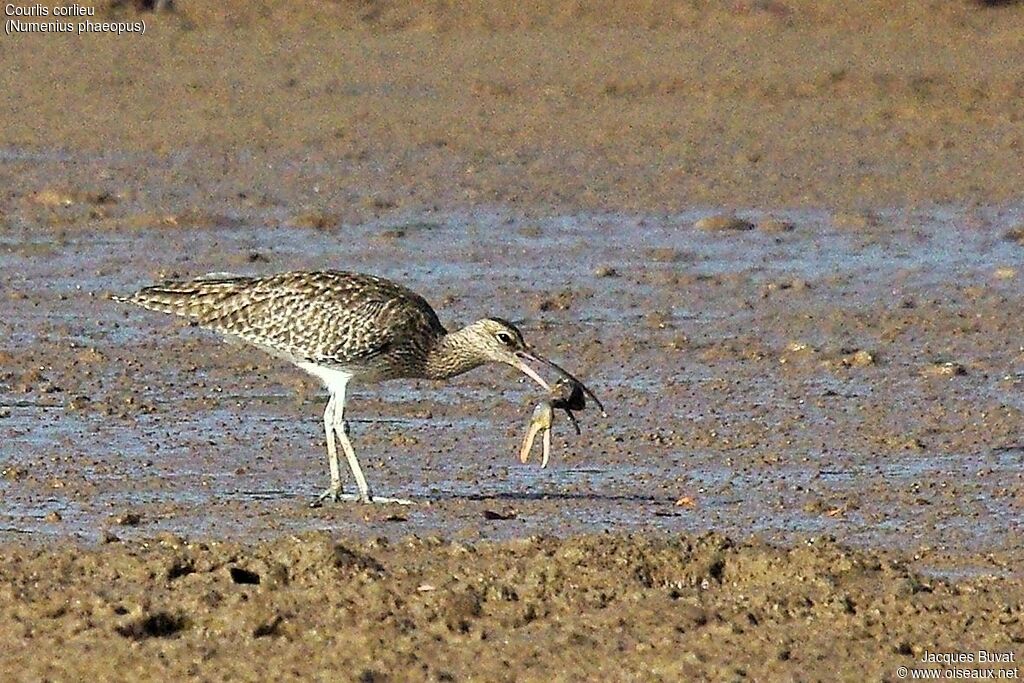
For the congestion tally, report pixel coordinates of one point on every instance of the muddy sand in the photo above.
(783, 242)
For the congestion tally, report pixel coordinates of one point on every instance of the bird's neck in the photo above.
(452, 354)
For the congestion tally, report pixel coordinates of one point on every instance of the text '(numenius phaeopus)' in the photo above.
(41, 19)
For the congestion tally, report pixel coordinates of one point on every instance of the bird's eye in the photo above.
(505, 338)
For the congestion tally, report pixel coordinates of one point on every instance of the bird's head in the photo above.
(498, 341)
(495, 340)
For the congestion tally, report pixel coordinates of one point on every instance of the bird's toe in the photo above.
(380, 500)
(332, 494)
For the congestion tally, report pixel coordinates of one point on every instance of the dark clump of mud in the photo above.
(689, 608)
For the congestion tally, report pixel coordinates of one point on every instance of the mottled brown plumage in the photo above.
(340, 326)
(372, 327)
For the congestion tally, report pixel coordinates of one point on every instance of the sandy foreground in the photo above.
(588, 608)
(813, 466)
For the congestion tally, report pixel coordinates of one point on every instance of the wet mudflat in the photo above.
(853, 376)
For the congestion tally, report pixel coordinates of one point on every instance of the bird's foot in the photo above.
(334, 495)
(380, 500)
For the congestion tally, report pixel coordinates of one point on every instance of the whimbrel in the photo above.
(342, 326)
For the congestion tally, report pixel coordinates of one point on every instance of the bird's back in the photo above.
(363, 323)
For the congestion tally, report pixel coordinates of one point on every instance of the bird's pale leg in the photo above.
(365, 496)
(334, 491)
(341, 429)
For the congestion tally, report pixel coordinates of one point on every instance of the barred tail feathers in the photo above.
(201, 299)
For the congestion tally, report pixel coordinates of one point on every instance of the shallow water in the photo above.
(691, 348)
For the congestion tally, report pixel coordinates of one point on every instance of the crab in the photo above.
(567, 394)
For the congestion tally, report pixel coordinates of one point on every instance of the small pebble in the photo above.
(944, 369)
(51, 197)
(78, 403)
(775, 225)
(315, 220)
(170, 540)
(129, 519)
(1016, 234)
(814, 507)
(666, 255)
(858, 359)
(499, 516)
(722, 222)
(14, 473)
(855, 220)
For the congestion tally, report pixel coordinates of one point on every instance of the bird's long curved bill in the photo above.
(532, 374)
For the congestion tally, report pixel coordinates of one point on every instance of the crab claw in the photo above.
(543, 415)
(547, 448)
